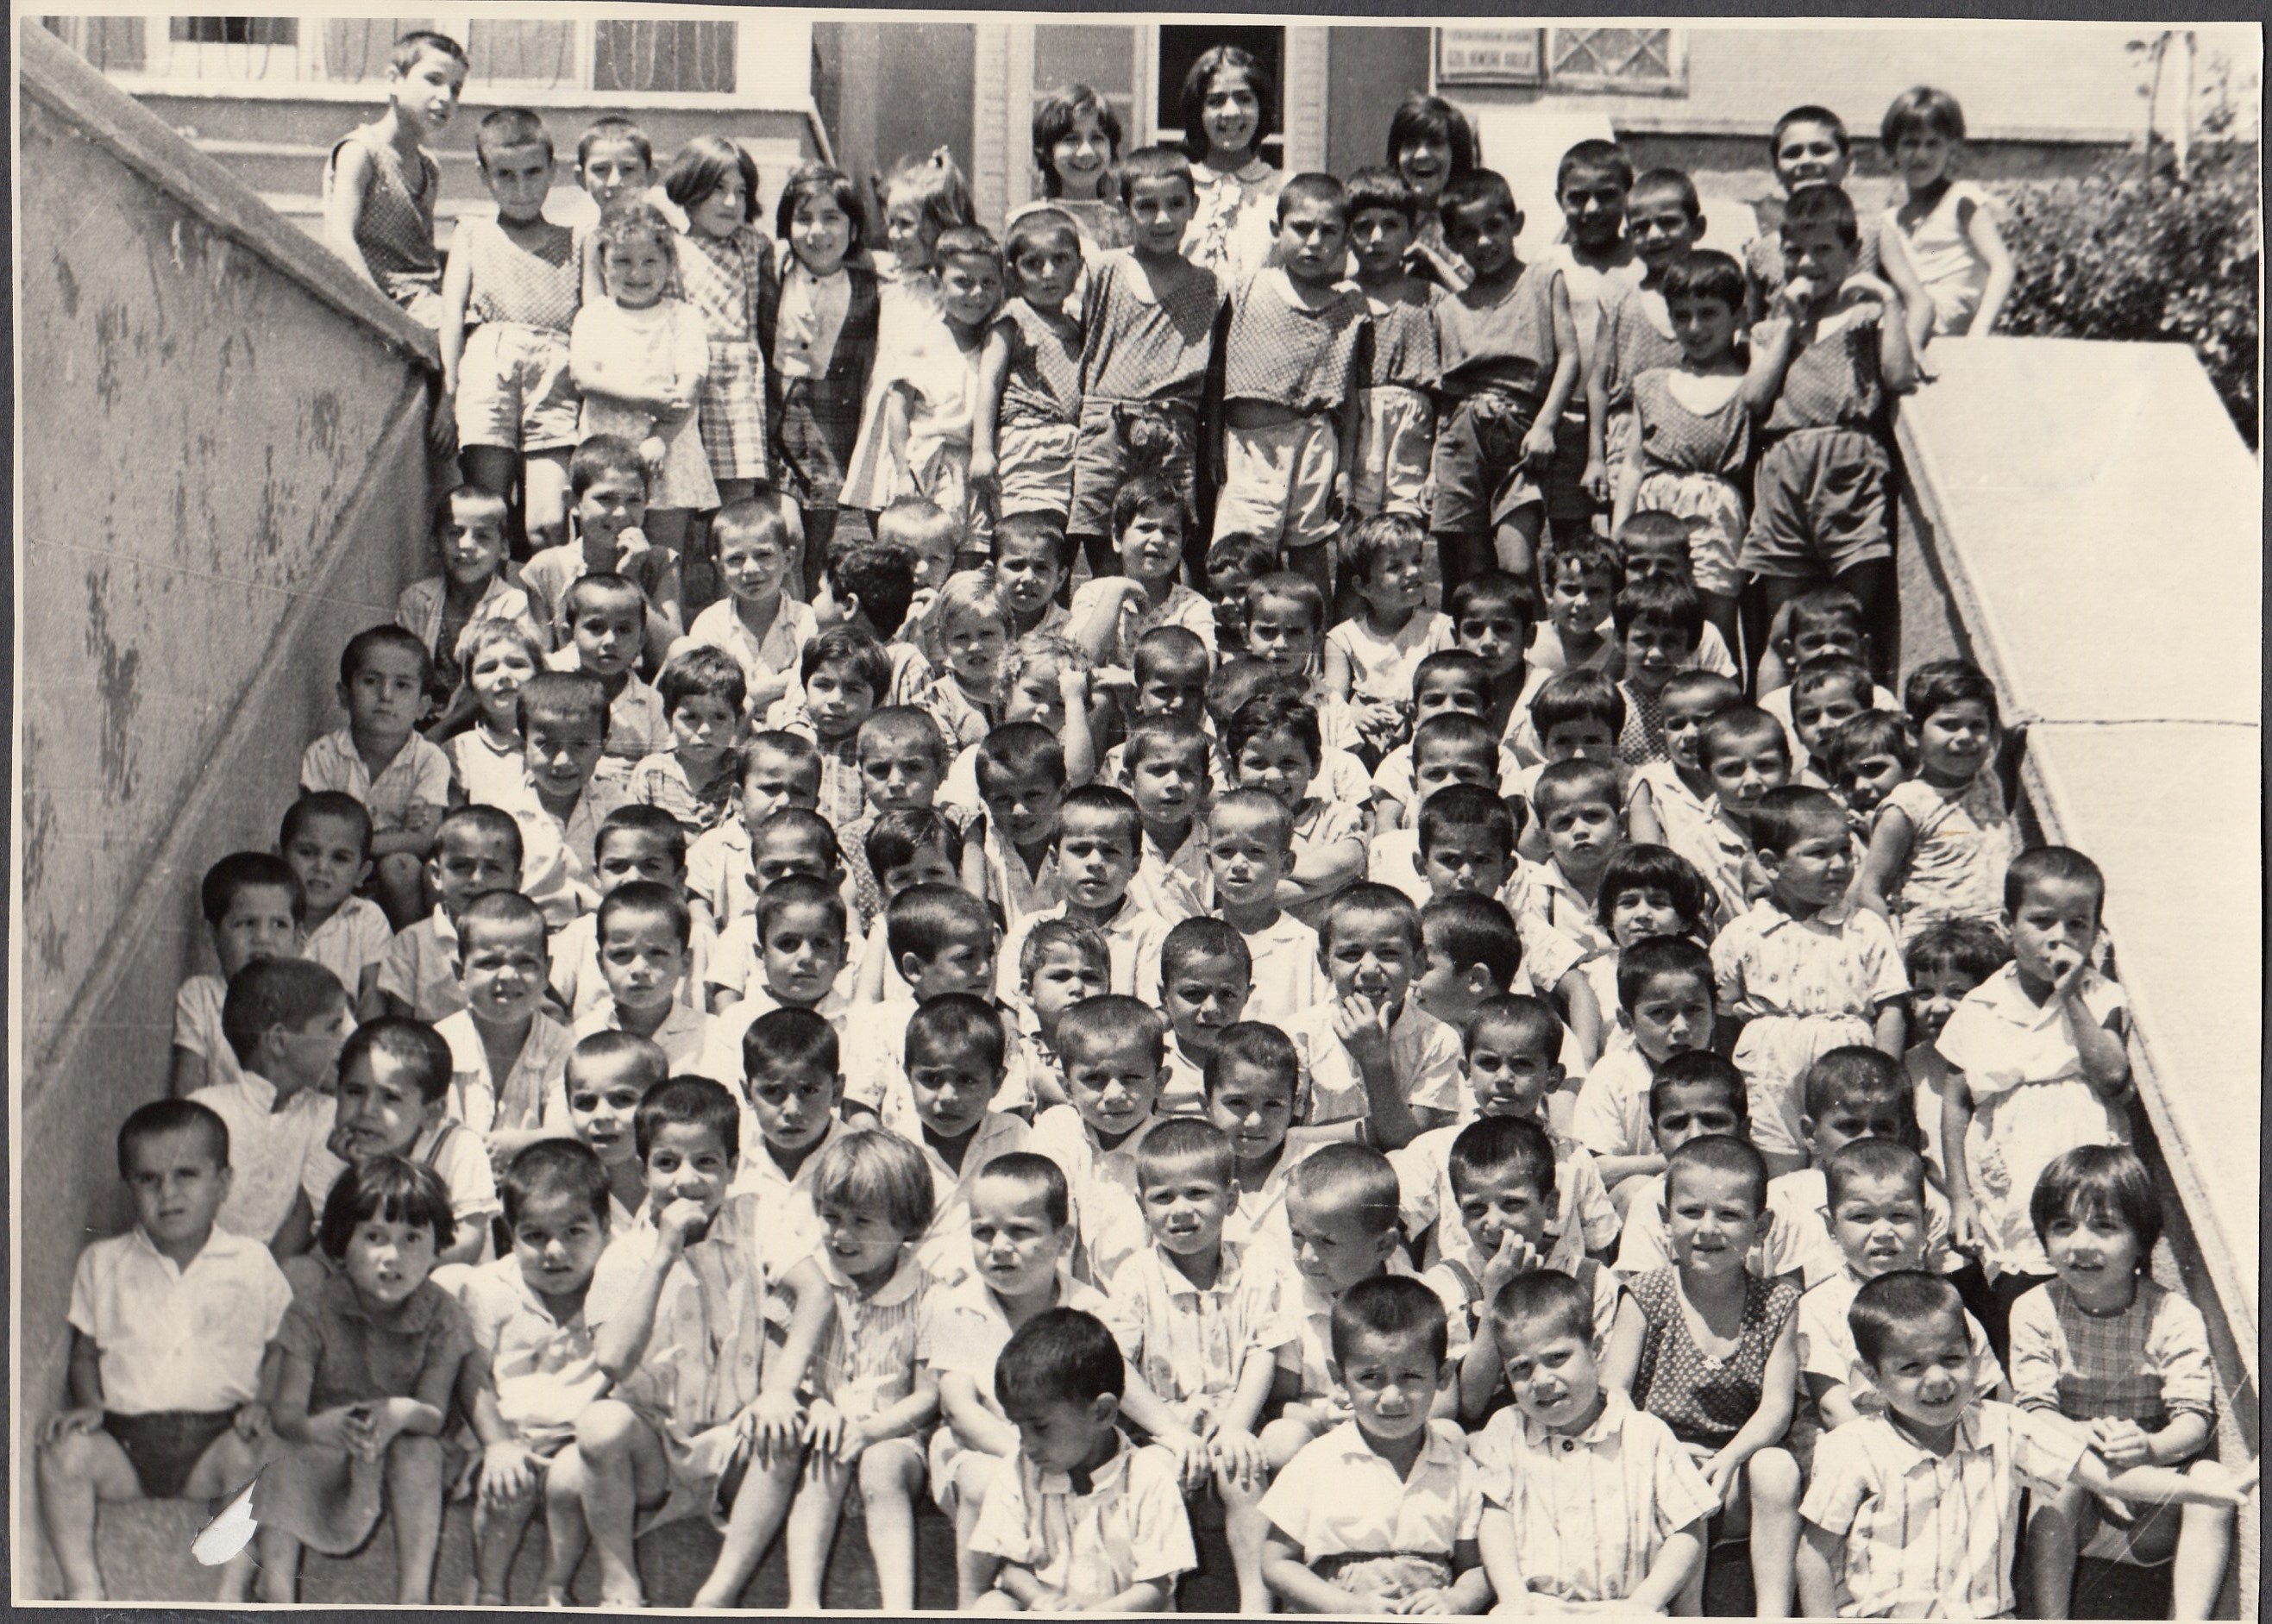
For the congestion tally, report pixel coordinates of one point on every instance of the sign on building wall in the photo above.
(1490, 55)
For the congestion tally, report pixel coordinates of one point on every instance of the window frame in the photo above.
(1675, 82)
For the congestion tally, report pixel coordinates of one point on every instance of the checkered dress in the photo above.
(729, 282)
(537, 287)
(396, 228)
(1832, 382)
(816, 419)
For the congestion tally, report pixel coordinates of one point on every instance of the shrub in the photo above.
(2113, 257)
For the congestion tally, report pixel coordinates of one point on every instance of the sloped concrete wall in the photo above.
(224, 476)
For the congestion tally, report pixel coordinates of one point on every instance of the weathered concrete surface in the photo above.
(223, 477)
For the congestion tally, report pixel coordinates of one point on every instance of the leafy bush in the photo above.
(2114, 256)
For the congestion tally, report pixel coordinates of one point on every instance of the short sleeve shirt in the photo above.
(196, 1027)
(354, 938)
(2146, 1364)
(1287, 351)
(1189, 1345)
(174, 1337)
(1129, 1528)
(1425, 1052)
(1287, 978)
(274, 1153)
(701, 1364)
(1825, 1345)
(543, 1370)
(357, 1359)
(420, 967)
(1841, 963)
(418, 773)
(476, 1099)
(1340, 1497)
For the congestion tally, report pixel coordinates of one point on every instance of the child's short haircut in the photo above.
(704, 165)
(634, 222)
(1595, 157)
(799, 890)
(1259, 1046)
(1189, 941)
(974, 595)
(1369, 900)
(1654, 527)
(697, 1102)
(1015, 749)
(2098, 1182)
(1352, 1178)
(1705, 273)
(1921, 110)
(646, 899)
(904, 724)
(1097, 1026)
(801, 753)
(1051, 935)
(1283, 586)
(1240, 553)
(369, 641)
(1544, 1302)
(1458, 735)
(414, 1046)
(1258, 804)
(1736, 727)
(1864, 734)
(564, 697)
(1495, 589)
(1578, 696)
(161, 1117)
(1037, 1172)
(1676, 182)
(1465, 806)
(1855, 1073)
(1320, 189)
(603, 454)
(1825, 609)
(1574, 783)
(1716, 691)
(423, 42)
(1788, 813)
(1872, 1161)
(653, 822)
(1275, 710)
(1044, 228)
(805, 823)
(2050, 864)
(894, 837)
(819, 180)
(1470, 930)
(927, 920)
(1185, 1144)
(1584, 555)
(1822, 205)
(1530, 1023)
(881, 575)
(617, 128)
(873, 1170)
(1476, 187)
(1114, 808)
(505, 910)
(749, 517)
(1722, 1153)
(1390, 1307)
(1149, 493)
(1061, 1356)
(1906, 1300)
(1378, 187)
(269, 993)
(1154, 737)
(1660, 603)
(1503, 1147)
(1030, 526)
(1970, 947)
(392, 1191)
(958, 1023)
(1038, 648)
(1169, 654)
(554, 1167)
(1653, 957)
(643, 1056)
(1239, 678)
(1809, 113)
(242, 871)
(1647, 867)
(790, 1041)
(1371, 540)
(1940, 682)
(324, 805)
(482, 636)
(445, 510)
(493, 823)
(510, 128)
(1828, 673)
(1452, 664)
(862, 657)
(1701, 1069)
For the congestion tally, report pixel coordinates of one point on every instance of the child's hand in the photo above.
(652, 451)
(1421, 1601)
(1515, 1256)
(770, 1421)
(357, 1429)
(681, 1224)
(1190, 1452)
(1112, 679)
(1965, 1234)
(1725, 1473)
(985, 473)
(1362, 1028)
(1797, 299)
(251, 1420)
(388, 1417)
(1238, 1457)
(2121, 1445)
(83, 1423)
(1874, 287)
(1596, 480)
(1538, 444)
(507, 1473)
(826, 1429)
(422, 819)
(1072, 688)
(2068, 968)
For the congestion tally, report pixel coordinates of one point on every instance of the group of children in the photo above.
(1469, 1096)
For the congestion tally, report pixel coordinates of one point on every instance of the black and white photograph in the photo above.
(1020, 811)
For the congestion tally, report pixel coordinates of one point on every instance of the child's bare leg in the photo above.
(622, 1465)
(994, 1601)
(1762, 607)
(812, 1528)
(759, 1507)
(1314, 563)
(413, 1500)
(1876, 585)
(228, 1464)
(544, 497)
(1283, 1439)
(399, 879)
(1771, 1480)
(1246, 1531)
(1516, 540)
(76, 1471)
(490, 466)
(2204, 1545)
(566, 1533)
(1720, 612)
(280, 1565)
(891, 1476)
(1462, 558)
(2057, 1528)
(497, 1533)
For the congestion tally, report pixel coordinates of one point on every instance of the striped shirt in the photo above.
(1190, 1344)
(418, 773)
(1933, 1535)
(867, 1363)
(475, 1098)
(1591, 1509)
(2146, 1364)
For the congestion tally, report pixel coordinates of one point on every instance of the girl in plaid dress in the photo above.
(726, 272)
(822, 349)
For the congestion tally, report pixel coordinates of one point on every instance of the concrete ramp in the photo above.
(2098, 523)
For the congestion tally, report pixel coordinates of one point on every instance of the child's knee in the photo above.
(995, 1602)
(605, 1431)
(1283, 1439)
(1772, 1476)
(414, 1457)
(887, 1473)
(72, 1456)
